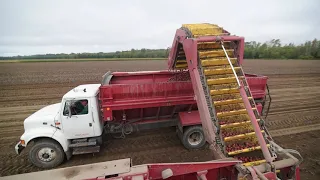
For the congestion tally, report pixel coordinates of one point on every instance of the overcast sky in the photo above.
(64, 26)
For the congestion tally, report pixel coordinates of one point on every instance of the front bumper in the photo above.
(18, 148)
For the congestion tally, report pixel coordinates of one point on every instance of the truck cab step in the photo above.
(79, 140)
(83, 144)
(85, 150)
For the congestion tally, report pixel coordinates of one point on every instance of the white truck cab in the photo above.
(74, 123)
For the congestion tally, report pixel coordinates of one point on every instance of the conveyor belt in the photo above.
(235, 134)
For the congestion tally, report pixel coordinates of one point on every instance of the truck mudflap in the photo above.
(19, 147)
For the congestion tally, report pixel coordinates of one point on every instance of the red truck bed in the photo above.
(155, 94)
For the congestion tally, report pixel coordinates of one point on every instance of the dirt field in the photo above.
(294, 118)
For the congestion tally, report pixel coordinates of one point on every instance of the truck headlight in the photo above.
(22, 142)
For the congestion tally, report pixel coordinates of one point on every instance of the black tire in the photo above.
(193, 143)
(46, 147)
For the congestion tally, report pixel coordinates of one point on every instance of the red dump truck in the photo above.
(144, 100)
(124, 102)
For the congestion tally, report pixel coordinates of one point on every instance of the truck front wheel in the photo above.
(193, 137)
(46, 153)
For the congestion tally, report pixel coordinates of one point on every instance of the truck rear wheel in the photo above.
(46, 153)
(193, 137)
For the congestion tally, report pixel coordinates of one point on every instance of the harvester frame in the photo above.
(184, 39)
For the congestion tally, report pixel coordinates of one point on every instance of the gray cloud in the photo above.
(46, 26)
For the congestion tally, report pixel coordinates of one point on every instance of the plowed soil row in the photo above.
(26, 87)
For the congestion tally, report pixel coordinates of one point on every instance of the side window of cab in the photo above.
(77, 107)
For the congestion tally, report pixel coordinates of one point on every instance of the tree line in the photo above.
(253, 50)
(275, 50)
(133, 53)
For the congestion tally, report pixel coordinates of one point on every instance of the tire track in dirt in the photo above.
(13, 165)
(287, 108)
(284, 98)
(8, 118)
(31, 101)
(24, 109)
(29, 98)
(14, 131)
(294, 130)
(295, 119)
(11, 124)
(291, 85)
(294, 93)
(36, 87)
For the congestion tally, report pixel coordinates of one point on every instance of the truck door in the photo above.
(78, 124)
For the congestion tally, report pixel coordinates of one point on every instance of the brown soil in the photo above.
(26, 87)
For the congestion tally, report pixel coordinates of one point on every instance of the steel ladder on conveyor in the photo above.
(239, 132)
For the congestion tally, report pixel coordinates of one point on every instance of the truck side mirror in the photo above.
(69, 114)
(67, 109)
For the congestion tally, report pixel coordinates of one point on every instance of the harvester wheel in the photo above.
(46, 153)
(193, 137)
